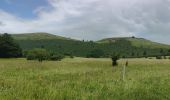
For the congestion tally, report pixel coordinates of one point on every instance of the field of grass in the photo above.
(84, 79)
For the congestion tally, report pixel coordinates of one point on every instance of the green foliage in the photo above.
(114, 58)
(144, 53)
(25, 53)
(56, 57)
(165, 57)
(42, 54)
(8, 48)
(96, 53)
(124, 46)
(168, 52)
(133, 54)
(158, 57)
(161, 51)
(37, 54)
(71, 56)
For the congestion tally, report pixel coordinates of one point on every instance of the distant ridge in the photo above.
(126, 46)
(138, 42)
(38, 36)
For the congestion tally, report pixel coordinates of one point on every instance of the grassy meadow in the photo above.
(84, 79)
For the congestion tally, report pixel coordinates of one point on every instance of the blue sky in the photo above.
(88, 19)
(22, 8)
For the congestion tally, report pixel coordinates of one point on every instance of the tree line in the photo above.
(89, 49)
(9, 48)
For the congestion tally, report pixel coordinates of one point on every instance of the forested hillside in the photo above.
(125, 47)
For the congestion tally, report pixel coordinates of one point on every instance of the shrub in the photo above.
(37, 54)
(30, 57)
(164, 57)
(25, 53)
(56, 57)
(71, 56)
(158, 57)
(114, 59)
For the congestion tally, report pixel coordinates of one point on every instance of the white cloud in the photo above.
(96, 19)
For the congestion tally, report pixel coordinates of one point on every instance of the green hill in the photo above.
(138, 42)
(126, 46)
(38, 36)
(147, 43)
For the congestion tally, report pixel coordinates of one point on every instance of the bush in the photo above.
(158, 57)
(164, 57)
(37, 54)
(30, 57)
(56, 57)
(42, 54)
(114, 59)
(71, 56)
(25, 53)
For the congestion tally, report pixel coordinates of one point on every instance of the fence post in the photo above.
(123, 72)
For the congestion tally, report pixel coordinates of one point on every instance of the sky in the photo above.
(88, 19)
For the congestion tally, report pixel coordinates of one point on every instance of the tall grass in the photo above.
(84, 79)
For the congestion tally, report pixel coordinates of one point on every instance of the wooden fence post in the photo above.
(123, 72)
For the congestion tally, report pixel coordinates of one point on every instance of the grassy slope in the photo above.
(81, 78)
(147, 43)
(137, 42)
(38, 36)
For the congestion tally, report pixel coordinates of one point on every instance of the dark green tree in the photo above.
(162, 52)
(8, 47)
(132, 54)
(145, 54)
(169, 52)
(114, 58)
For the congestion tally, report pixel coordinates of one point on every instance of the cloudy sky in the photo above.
(88, 19)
